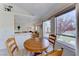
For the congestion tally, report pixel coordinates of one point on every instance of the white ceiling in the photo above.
(38, 9)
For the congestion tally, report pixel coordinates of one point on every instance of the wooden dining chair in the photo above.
(35, 34)
(12, 46)
(52, 39)
(58, 52)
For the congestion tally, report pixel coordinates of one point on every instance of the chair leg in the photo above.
(46, 51)
(53, 47)
(31, 53)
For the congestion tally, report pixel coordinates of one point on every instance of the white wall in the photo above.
(26, 22)
(6, 27)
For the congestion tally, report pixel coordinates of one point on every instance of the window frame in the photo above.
(59, 14)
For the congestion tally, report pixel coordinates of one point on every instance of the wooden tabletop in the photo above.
(36, 45)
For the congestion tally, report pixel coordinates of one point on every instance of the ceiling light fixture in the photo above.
(8, 8)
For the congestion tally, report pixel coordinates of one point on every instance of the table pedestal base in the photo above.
(35, 54)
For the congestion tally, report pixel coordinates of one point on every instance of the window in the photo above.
(66, 27)
(46, 28)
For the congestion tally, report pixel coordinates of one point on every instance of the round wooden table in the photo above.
(35, 45)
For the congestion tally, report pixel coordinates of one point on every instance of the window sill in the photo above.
(67, 45)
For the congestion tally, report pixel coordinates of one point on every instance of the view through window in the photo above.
(66, 27)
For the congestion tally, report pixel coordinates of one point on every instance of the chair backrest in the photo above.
(58, 52)
(35, 34)
(52, 39)
(12, 46)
